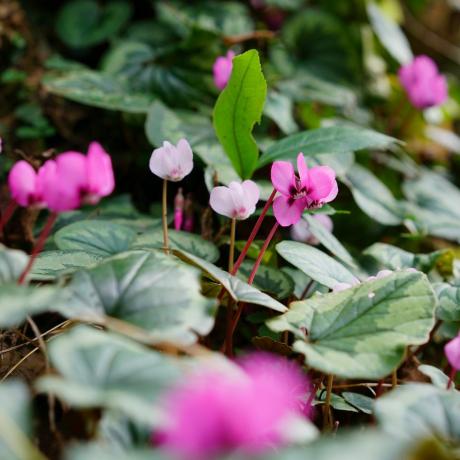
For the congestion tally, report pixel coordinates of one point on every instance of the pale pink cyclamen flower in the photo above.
(301, 230)
(172, 162)
(222, 69)
(424, 85)
(26, 185)
(311, 189)
(215, 412)
(73, 178)
(237, 201)
(452, 351)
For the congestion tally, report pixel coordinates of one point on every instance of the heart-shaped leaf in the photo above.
(155, 293)
(362, 332)
(315, 263)
(12, 263)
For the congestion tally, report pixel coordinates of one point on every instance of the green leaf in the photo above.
(363, 403)
(390, 34)
(103, 370)
(237, 289)
(373, 197)
(394, 258)
(84, 23)
(268, 279)
(157, 295)
(15, 422)
(17, 302)
(280, 108)
(330, 140)
(437, 376)
(328, 240)
(362, 332)
(97, 90)
(449, 301)
(238, 109)
(315, 263)
(101, 238)
(99, 451)
(12, 264)
(184, 241)
(420, 411)
(50, 265)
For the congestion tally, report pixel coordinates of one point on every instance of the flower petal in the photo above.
(22, 183)
(288, 212)
(101, 181)
(221, 201)
(323, 186)
(303, 170)
(186, 157)
(283, 177)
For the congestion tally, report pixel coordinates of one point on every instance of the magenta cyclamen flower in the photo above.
(311, 189)
(73, 178)
(222, 69)
(452, 351)
(422, 82)
(25, 185)
(172, 162)
(237, 201)
(216, 412)
(301, 230)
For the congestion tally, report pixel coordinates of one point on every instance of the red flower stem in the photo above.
(38, 246)
(253, 273)
(452, 374)
(251, 238)
(6, 215)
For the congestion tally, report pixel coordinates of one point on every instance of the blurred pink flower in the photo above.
(235, 201)
(452, 351)
(25, 185)
(73, 178)
(172, 162)
(216, 412)
(311, 189)
(178, 209)
(222, 69)
(301, 230)
(424, 85)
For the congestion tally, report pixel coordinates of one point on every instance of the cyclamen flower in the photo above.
(301, 230)
(73, 178)
(237, 201)
(172, 162)
(178, 209)
(216, 412)
(452, 351)
(422, 82)
(25, 185)
(222, 69)
(311, 189)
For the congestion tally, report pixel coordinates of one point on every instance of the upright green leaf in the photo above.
(238, 108)
(362, 332)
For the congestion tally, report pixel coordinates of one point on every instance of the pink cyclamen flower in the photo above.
(216, 412)
(172, 162)
(237, 201)
(25, 185)
(311, 189)
(222, 69)
(301, 230)
(452, 351)
(73, 178)
(424, 85)
(178, 209)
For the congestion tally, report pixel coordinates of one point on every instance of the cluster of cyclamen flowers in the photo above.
(63, 183)
(246, 409)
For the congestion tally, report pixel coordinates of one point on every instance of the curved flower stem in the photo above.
(394, 378)
(231, 254)
(6, 215)
(164, 216)
(328, 423)
(39, 246)
(452, 374)
(253, 275)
